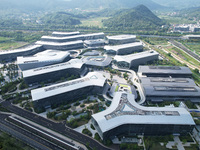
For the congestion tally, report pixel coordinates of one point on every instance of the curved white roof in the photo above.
(65, 33)
(164, 70)
(62, 38)
(121, 37)
(48, 55)
(101, 61)
(124, 110)
(93, 34)
(91, 79)
(29, 48)
(59, 44)
(123, 46)
(73, 63)
(129, 58)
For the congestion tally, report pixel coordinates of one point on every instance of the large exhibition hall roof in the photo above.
(91, 79)
(45, 56)
(73, 63)
(124, 110)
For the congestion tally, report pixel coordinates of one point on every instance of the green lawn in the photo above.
(185, 56)
(11, 45)
(193, 46)
(96, 22)
(176, 20)
(4, 39)
(157, 41)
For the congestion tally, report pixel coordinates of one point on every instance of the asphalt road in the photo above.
(26, 136)
(165, 37)
(181, 46)
(58, 127)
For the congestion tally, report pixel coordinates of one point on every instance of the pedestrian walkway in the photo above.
(177, 142)
(86, 126)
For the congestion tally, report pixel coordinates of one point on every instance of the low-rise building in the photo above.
(62, 34)
(94, 36)
(192, 37)
(94, 43)
(134, 60)
(124, 49)
(61, 46)
(125, 117)
(11, 55)
(62, 39)
(92, 83)
(97, 61)
(41, 59)
(182, 28)
(158, 89)
(55, 72)
(121, 39)
(164, 71)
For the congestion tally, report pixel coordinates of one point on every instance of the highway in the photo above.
(186, 50)
(26, 136)
(157, 36)
(57, 127)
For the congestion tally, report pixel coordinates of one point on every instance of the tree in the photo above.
(196, 70)
(125, 75)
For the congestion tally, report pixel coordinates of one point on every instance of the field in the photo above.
(184, 56)
(177, 20)
(93, 22)
(193, 46)
(9, 43)
(156, 41)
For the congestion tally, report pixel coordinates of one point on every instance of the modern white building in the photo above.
(41, 59)
(61, 46)
(94, 43)
(94, 36)
(55, 72)
(62, 39)
(182, 28)
(97, 61)
(11, 55)
(164, 71)
(121, 39)
(62, 34)
(83, 37)
(158, 89)
(92, 83)
(134, 60)
(191, 37)
(125, 117)
(124, 49)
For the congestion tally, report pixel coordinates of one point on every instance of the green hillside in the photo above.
(60, 18)
(49, 5)
(178, 4)
(191, 12)
(138, 18)
(113, 4)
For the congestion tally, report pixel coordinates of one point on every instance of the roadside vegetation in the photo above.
(9, 143)
(193, 45)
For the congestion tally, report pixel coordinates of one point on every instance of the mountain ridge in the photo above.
(45, 5)
(139, 17)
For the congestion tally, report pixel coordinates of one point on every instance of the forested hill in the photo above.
(52, 5)
(191, 12)
(178, 4)
(137, 18)
(61, 18)
(113, 4)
